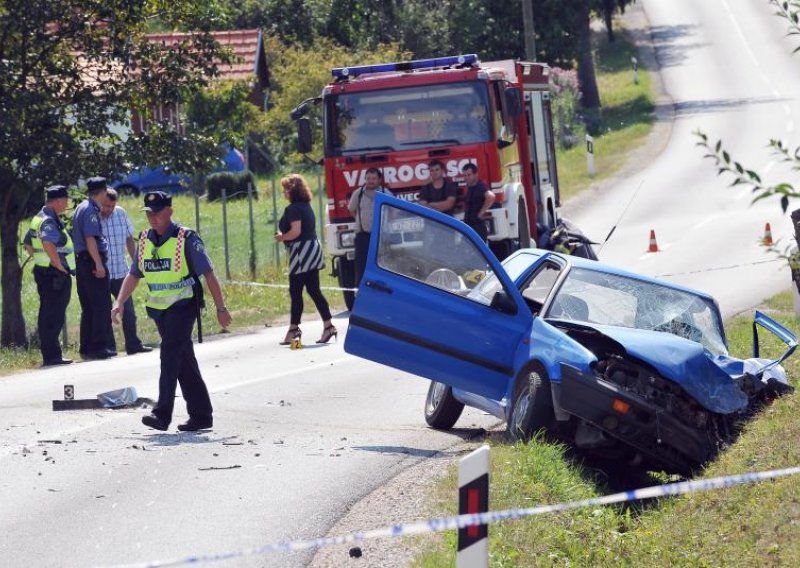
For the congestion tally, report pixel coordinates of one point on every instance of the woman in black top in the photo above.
(298, 232)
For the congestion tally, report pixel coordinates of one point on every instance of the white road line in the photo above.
(297, 371)
(706, 222)
(741, 35)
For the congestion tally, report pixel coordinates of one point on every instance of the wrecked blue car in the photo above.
(621, 364)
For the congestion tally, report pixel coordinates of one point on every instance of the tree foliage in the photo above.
(70, 72)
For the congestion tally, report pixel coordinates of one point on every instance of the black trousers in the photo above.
(310, 281)
(95, 297)
(55, 289)
(179, 365)
(360, 261)
(132, 341)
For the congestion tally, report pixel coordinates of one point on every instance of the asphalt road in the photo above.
(298, 437)
(301, 435)
(728, 70)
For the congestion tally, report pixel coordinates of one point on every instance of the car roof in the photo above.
(598, 266)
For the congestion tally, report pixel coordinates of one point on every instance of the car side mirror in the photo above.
(502, 302)
(305, 138)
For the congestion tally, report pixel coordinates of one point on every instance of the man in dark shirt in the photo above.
(94, 292)
(477, 202)
(440, 193)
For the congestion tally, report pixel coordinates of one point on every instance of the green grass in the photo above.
(624, 120)
(250, 306)
(752, 525)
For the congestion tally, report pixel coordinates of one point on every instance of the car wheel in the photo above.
(347, 279)
(532, 408)
(442, 410)
(127, 189)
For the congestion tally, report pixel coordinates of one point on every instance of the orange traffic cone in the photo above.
(767, 240)
(653, 244)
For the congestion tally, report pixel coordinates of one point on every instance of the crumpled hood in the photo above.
(684, 362)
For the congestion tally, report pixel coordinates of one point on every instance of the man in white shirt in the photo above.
(119, 232)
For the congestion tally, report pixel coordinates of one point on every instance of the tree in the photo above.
(70, 72)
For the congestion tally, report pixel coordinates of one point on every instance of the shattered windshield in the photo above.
(594, 297)
(408, 118)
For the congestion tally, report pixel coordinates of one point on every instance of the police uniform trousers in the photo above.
(179, 365)
(95, 297)
(361, 249)
(55, 289)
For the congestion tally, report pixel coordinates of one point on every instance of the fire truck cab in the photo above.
(400, 116)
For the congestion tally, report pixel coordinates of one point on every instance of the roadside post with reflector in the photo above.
(590, 155)
(473, 497)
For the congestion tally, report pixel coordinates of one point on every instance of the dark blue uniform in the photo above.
(94, 293)
(175, 324)
(54, 288)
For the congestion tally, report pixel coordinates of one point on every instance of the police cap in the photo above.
(55, 192)
(155, 201)
(96, 183)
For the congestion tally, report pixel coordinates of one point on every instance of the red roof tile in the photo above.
(245, 44)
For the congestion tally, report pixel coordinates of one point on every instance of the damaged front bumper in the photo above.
(654, 432)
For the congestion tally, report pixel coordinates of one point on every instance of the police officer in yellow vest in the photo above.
(171, 258)
(54, 263)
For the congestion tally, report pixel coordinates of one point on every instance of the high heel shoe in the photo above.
(327, 333)
(293, 333)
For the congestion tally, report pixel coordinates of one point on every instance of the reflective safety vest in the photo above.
(40, 258)
(166, 270)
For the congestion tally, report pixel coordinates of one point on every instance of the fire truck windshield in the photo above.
(407, 118)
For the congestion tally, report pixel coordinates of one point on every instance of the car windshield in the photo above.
(590, 296)
(407, 118)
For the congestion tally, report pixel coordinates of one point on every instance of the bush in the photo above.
(234, 183)
(566, 103)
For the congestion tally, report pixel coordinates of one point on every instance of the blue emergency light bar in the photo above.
(461, 60)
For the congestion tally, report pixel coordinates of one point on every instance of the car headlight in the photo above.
(347, 239)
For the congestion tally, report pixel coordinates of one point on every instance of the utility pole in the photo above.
(528, 30)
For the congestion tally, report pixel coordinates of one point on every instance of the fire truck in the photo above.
(400, 116)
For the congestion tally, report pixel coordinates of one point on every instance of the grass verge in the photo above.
(751, 525)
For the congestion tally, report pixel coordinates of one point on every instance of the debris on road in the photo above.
(213, 468)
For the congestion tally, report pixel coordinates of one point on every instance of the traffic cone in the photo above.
(767, 240)
(653, 244)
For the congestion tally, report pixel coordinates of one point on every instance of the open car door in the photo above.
(434, 301)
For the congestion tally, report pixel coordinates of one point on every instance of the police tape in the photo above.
(467, 520)
(283, 286)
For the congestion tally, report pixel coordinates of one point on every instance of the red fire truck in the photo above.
(400, 116)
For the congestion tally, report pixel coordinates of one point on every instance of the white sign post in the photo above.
(590, 155)
(473, 497)
(635, 63)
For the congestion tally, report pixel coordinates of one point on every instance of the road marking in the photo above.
(297, 371)
(741, 35)
(706, 221)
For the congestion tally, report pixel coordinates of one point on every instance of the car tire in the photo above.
(442, 410)
(347, 279)
(532, 404)
(126, 189)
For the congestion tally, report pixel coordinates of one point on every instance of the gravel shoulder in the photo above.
(409, 496)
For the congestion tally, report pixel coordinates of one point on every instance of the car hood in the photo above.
(704, 376)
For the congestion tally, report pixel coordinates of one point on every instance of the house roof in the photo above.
(246, 45)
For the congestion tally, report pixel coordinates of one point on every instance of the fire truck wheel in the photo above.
(442, 410)
(532, 408)
(347, 279)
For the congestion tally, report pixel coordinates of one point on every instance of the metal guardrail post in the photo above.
(252, 231)
(225, 233)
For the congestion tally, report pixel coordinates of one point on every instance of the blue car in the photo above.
(620, 364)
(147, 178)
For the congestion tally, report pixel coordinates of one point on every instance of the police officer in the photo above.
(94, 291)
(170, 258)
(54, 262)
